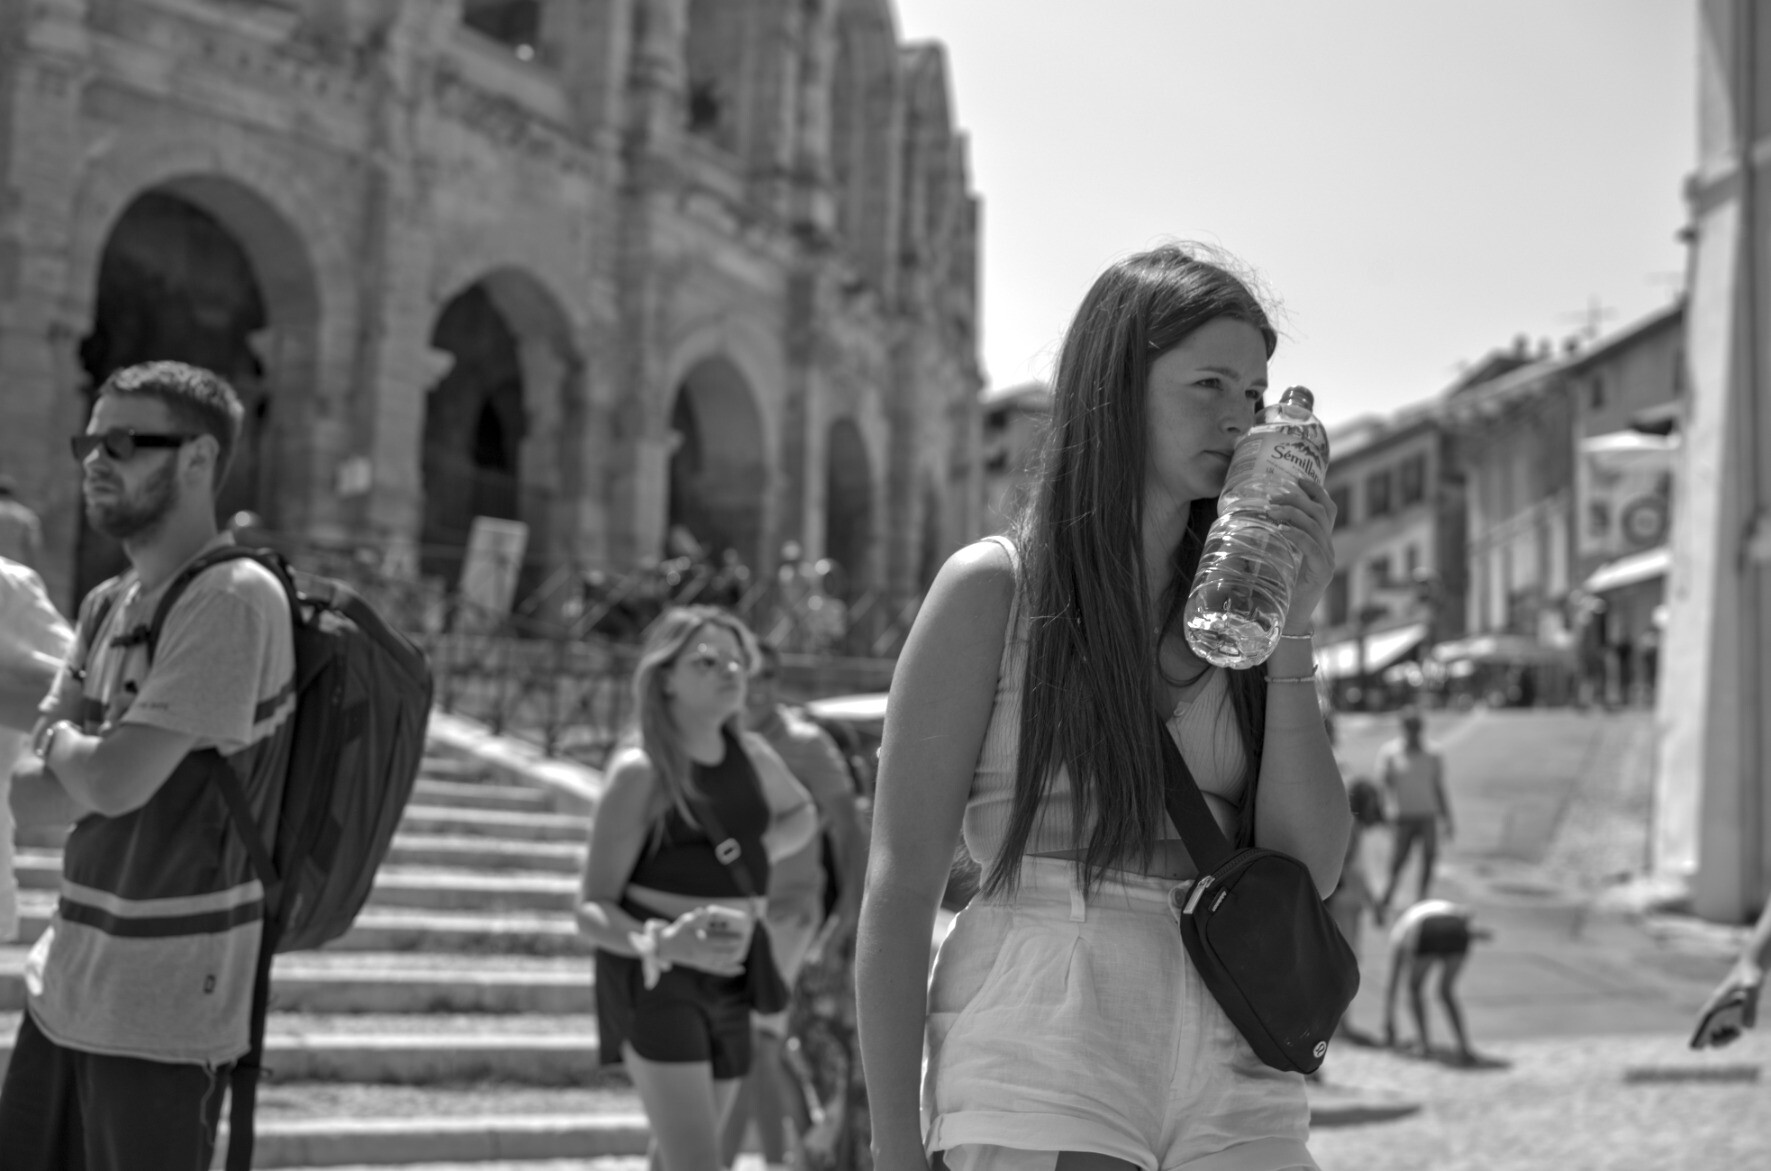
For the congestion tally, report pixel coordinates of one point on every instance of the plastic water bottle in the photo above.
(1236, 611)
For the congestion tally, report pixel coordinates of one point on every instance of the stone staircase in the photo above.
(454, 1024)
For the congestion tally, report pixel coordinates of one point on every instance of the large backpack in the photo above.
(362, 699)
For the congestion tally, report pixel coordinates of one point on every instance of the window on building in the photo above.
(1343, 505)
(1596, 391)
(1378, 571)
(515, 23)
(1411, 561)
(1338, 599)
(1377, 494)
(1411, 481)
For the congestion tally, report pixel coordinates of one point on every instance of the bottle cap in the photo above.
(1300, 395)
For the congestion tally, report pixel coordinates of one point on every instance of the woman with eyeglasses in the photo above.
(672, 903)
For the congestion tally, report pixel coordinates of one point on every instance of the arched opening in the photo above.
(513, 23)
(176, 282)
(714, 57)
(718, 474)
(473, 431)
(848, 510)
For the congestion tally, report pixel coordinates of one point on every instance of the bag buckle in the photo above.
(727, 851)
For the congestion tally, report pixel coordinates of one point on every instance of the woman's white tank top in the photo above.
(1203, 725)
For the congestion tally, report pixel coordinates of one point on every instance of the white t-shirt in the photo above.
(29, 625)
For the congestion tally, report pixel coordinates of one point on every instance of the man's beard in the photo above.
(125, 518)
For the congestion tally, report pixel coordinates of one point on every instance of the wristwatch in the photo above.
(47, 744)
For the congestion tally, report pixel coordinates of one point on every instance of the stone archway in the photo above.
(848, 509)
(201, 270)
(718, 473)
(498, 425)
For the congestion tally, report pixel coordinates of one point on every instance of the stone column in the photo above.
(1712, 809)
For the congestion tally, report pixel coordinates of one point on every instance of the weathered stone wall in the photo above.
(804, 259)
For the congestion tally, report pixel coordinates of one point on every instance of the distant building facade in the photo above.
(609, 268)
(1015, 421)
(1399, 582)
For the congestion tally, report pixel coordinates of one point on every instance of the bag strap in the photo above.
(1186, 806)
(725, 847)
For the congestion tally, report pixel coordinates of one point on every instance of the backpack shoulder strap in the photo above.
(210, 560)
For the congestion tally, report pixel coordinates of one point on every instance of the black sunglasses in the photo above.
(121, 444)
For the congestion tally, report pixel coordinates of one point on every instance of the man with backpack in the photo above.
(140, 991)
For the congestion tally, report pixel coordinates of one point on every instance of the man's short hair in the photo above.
(201, 402)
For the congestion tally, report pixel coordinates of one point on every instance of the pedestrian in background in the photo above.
(34, 638)
(1431, 934)
(1352, 897)
(1065, 1023)
(159, 903)
(814, 898)
(671, 905)
(1413, 777)
(21, 533)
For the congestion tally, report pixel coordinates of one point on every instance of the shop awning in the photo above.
(1338, 660)
(1637, 567)
(1498, 648)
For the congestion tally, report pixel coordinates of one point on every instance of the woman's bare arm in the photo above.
(942, 693)
(618, 833)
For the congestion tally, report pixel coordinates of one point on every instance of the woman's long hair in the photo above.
(652, 727)
(1091, 686)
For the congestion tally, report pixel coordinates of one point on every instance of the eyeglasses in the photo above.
(121, 444)
(704, 658)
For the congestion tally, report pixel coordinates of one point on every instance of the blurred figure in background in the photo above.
(34, 639)
(814, 899)
(21, 533)
(694, 811)
(1413, 777)
(1432, 933)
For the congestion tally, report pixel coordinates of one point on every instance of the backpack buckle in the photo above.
(727, 851)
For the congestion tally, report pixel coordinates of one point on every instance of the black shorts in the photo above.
(1443, 935)
(687, 1016)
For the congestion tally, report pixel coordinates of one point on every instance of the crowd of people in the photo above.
(736, 853)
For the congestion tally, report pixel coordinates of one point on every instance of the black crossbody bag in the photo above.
(1259, 934)
(764, 988)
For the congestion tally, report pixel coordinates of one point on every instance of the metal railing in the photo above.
(555, 669)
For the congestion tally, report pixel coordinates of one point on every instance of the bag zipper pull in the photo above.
(1198, 893)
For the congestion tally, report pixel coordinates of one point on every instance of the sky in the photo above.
(1415, 182)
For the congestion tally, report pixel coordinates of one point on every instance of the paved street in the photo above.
(1579, 1006)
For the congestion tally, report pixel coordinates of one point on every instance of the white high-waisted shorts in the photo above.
(1059, 1023)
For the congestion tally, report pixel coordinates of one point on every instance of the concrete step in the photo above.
(380, 1142)
(417, 1050)
(401, 929)
(477, 794)
(466, 890)
(496, 823)
(482, 853)
(399, 982)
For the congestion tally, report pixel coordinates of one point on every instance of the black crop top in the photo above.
(681, 859)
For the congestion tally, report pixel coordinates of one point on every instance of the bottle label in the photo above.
(1278, 449)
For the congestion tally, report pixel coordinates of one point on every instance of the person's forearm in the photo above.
(1757, 949)
(39, 800)
(607, 926)
(23, 684)
(1300, 802)
(891, 995)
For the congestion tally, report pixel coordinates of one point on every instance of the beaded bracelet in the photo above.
(1310, 678)
(1308, 636)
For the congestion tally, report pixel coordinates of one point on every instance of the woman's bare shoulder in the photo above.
(628, 773)
(978, 579)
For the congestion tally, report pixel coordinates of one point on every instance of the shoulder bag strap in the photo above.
(725, 847)
(1187, 808)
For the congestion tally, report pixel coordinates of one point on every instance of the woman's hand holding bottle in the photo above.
(711, 939)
